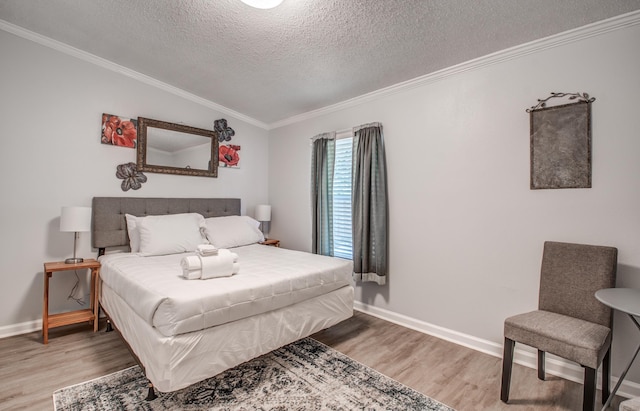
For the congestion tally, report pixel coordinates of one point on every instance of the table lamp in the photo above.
(76, 220)
(263, 214)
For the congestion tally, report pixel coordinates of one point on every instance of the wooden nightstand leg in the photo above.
(95, 275)
(45, 309)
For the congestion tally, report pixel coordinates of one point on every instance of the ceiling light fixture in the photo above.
(262, 4)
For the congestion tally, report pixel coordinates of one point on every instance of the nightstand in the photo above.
(271, 242)
(71, 317)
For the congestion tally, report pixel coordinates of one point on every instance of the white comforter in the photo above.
(269, 278)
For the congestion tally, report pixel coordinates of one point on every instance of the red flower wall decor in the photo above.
(119, 131)
(229, 156)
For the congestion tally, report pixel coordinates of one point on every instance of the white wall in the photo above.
(51, 106)
(466, 230)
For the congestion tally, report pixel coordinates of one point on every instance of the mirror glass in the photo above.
(176, 149)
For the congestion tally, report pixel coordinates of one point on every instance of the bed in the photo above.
(184, 331)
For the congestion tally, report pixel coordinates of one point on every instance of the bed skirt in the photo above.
(175, 362)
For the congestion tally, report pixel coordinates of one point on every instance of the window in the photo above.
(342, 231)
(349, 192)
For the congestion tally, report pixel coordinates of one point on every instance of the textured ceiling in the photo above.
(304, 54)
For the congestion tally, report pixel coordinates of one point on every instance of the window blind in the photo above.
(342, 231)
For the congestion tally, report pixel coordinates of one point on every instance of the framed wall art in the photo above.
(119, 131)
(229, 155)
(560, 143)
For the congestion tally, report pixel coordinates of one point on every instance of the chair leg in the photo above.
(606, 376)
(541, 373)
(590, 382)
(507, 365)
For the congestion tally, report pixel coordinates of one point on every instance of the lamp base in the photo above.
(73, 260)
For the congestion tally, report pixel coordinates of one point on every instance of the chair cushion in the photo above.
(577, 340)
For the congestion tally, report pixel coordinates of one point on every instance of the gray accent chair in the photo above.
(570, 322)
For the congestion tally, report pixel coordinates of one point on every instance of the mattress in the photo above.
(269, 278)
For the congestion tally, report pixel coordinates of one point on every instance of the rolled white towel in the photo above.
(206, 250)
(190, 262)
(227, 252)
(224, 264)
(216, 266)
(192, 275)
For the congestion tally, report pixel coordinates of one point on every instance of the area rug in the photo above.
(305, 375)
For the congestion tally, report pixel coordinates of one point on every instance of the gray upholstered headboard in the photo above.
(109, 228)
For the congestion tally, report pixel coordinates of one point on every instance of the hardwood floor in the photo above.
(460, 377)
(30, 372)
(457, 376)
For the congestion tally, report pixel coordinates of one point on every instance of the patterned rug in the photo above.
(305, 375)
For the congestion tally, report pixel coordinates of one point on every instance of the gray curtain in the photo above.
(322, 161)
(370, 205)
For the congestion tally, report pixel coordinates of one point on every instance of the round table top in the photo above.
(622, 299)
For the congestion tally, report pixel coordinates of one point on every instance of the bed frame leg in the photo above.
(152, 393)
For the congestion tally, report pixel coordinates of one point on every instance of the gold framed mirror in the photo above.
(171, 148)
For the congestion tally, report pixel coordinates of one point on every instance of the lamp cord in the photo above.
(74, 289)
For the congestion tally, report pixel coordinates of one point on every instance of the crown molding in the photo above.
(567, 37)
(109, 65)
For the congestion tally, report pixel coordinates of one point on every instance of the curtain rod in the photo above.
(347, 132)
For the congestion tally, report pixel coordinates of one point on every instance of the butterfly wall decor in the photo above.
(224, 131)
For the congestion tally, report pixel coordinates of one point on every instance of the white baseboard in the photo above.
(22, 328)
(523, 355)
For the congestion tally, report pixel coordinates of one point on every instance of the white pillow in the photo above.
(132, 230)
(233, 231)
(170, 234)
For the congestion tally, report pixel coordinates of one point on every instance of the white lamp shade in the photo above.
(75, 219)
(262, 4)
(263, 212)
